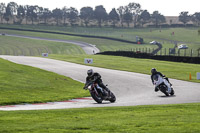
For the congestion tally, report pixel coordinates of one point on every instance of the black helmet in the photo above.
(153, 70)
(90, 72)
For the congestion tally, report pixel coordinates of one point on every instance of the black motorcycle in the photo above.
(99, 94)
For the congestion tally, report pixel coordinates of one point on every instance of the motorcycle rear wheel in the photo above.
(172, 92)
(113, 98)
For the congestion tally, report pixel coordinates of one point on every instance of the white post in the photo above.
(198, 75)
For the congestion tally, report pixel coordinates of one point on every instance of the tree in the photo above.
(46, 15)
(26, 7)
(20, 14)
(100, 14)
(39, 11)
(114, 16)
(87, 14)
(128, 16)
(184, 17)
(144, 18)
(65, 12)
(57, 14)
(135, 10)
(7, 15)
(2, 10)
(196, 18)
(157, 18)
(32, 13)
(121, 11)
(13, 9)
(73, 15)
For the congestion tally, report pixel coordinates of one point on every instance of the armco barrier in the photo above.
(195, 60)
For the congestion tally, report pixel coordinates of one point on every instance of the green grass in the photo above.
(24, 84)
(174, 70)
(23, 46)
(183, 118)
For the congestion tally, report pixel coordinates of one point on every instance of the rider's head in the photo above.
(90, 72)
(153, 71)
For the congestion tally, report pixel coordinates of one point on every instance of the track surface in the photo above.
(130, 88)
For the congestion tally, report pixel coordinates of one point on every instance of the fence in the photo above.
(169, 52)
(138, 54)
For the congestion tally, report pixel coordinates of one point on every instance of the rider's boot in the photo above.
(170, 84)
(156, 89)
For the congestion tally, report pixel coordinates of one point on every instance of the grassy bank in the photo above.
(102, 44)
(183, 118)
(23, 46)
(174, 70)
(24, 84)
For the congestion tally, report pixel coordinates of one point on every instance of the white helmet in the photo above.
(90, 72)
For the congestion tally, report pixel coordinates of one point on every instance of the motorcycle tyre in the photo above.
(96, 98)
(113, 98)
(163, 90)
(172, 92)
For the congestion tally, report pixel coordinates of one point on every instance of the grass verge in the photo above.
(183, 118)
(24, 84)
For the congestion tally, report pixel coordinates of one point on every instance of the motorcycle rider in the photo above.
(96, 77)
(154, 72)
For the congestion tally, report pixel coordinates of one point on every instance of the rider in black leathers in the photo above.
(154, 72)
(96, 77)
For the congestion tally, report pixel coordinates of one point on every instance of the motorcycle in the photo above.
(163, 85)
(99, 94)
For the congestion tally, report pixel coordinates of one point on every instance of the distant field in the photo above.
(164, 35)
(102, 44)
(180, 34)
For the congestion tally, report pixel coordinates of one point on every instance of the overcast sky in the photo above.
(165, 7)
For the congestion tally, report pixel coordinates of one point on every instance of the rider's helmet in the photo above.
(153, 71)
(90, 72)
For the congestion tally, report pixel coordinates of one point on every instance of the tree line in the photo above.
(87, 16)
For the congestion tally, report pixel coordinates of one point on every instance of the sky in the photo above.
(165, 7)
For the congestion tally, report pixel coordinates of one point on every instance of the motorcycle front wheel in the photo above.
(163, 89)
(97, 98)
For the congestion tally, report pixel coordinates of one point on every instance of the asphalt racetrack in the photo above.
(130, 88)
